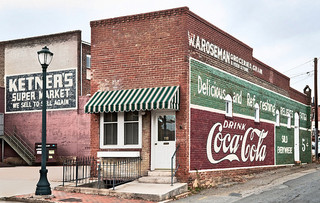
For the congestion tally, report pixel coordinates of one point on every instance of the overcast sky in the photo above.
(284, 34)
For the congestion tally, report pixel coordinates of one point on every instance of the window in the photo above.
(88, 61)
(88, 65)
(110, 128)
(120, 130)
(88, 74)
(131, 127)
(256, 113)
(289, 121)
(228, 105)
(277, 118)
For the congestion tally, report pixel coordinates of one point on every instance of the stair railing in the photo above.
(173, 173)
(20, 143)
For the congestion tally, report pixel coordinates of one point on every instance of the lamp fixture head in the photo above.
(45, 56)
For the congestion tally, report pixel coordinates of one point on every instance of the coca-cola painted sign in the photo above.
(218, 142)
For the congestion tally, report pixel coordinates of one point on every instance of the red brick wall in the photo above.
(238, 142)
(8, 152)
(69, 129)
(152, 50)
(270, 79)
(146, 50)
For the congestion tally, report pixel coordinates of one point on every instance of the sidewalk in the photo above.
(61, 196)
(134, 191)
(130, 192)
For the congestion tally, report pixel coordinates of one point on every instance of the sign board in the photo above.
(218, 142)
(24, 92)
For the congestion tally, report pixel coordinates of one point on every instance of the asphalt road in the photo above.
(283, 185)
(303, 189)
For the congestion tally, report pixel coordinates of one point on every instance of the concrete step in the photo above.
(161, 173)
(134, 190)
(151, 192)
(158, 180)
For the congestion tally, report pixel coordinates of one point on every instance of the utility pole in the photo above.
(316, 106)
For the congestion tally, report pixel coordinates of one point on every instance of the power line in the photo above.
(298, 66)
(302, 73)
(304, 78)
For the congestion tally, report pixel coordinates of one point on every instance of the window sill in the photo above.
(117, 154)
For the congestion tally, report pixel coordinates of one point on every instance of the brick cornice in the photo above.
(138, 17)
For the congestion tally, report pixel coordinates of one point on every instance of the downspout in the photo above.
(81, 68)
(2, 150)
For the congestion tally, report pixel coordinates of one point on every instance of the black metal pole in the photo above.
(43, 186)
(316, 106)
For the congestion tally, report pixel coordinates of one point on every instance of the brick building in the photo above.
(169, 80)
(68, 86)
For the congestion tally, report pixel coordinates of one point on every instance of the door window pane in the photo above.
(166, 128)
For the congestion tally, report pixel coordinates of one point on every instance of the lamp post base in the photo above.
(43, 186)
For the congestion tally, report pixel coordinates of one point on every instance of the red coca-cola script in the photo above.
(218, 142)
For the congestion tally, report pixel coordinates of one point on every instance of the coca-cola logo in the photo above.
(250, 143)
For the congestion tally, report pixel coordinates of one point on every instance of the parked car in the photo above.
(314, 148)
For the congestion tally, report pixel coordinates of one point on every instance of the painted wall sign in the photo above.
(220, 142)
(210, 86)
(217, 142)
(217, 52)
(24, 92)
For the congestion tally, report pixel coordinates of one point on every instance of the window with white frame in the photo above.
(277, 118)
(88, 65)
(88, 61)
(256, 113)
(120, 130)
(289, 121)
(228, 106)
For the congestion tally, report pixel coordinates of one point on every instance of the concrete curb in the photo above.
(134, 190)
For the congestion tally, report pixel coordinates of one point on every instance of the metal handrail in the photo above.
(21, 140)
(176, 169)
(21, 144)
(107, 173)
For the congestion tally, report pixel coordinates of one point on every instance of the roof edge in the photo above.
(138, 17)
(41, 36)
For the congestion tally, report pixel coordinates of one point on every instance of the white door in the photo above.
(163, 140)
(296, 137)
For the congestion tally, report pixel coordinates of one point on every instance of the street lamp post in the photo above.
(43, 186)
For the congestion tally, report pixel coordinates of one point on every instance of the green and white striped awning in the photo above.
(134, 100)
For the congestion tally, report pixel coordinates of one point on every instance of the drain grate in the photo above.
(71, 200)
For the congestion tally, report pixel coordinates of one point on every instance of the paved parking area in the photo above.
(23, 179)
